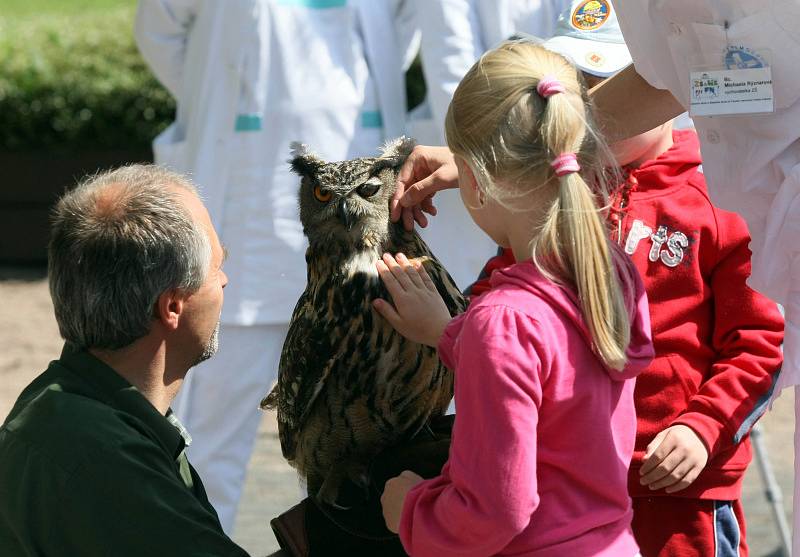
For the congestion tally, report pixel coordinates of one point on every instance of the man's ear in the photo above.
(169, 308)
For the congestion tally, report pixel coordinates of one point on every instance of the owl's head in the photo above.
(348, 201)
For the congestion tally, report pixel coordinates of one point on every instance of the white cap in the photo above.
(588, 34)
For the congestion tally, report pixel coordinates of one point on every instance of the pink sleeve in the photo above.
(447, 342)
(487, 491)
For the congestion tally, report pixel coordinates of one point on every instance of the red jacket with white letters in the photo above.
(717, 341)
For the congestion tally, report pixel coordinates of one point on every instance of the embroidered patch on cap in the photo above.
(591, 14)
(595, 59)
(742, 58)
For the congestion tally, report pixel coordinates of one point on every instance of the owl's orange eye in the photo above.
(322, 196)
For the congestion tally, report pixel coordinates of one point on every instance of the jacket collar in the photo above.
(674, 167)
(111, 388)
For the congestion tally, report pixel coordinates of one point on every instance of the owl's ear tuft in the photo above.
(303, 161)
(397, 150)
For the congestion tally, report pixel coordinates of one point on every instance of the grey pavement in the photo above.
(29, 339)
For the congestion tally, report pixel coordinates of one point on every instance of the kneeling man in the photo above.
(92, 460)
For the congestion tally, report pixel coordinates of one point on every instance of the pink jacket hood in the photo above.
(640, 351)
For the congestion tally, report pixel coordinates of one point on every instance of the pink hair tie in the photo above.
(565, 163)
(549, 85)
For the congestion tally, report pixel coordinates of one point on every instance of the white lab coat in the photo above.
(286, 70)
(751, 163)
(455, 33)
(197, 49)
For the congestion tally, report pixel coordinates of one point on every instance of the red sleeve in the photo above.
(483, 498)
(503, 258)
(748, 332)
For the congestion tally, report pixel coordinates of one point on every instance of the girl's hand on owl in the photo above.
(419, 313)
(394, 495)
(426, 171)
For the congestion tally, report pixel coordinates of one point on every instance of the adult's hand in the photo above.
(426, 171)
(394, 495)
(626, 105)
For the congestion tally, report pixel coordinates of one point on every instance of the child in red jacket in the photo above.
(717, 354)
(717, 341)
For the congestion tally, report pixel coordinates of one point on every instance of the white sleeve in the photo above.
(451, 43)
(646, 43)
(162, 28)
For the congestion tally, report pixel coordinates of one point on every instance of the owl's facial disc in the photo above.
(346, 202)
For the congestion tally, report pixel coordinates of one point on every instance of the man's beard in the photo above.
(210, 347)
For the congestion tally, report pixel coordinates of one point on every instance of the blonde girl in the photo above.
(544, 361)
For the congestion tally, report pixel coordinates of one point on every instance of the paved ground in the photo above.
(29, 339)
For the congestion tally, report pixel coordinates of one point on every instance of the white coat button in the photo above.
(675, 29)
(712, 136)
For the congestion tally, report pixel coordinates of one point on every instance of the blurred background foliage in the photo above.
(72, 79)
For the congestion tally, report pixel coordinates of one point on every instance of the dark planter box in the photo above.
(29, 185)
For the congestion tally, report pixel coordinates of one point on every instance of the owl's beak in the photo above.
(345, 215)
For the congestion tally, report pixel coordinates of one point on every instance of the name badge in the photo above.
(725, 92)
(742, 86)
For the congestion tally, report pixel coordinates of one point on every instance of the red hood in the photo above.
(640, 352)
(674, 167)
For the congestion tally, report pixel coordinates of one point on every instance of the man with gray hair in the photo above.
(93, 460)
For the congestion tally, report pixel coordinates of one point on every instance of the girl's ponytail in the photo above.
(593, 269)
(576, 228)
(520, 115)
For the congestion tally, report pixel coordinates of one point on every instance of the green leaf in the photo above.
(72, 81)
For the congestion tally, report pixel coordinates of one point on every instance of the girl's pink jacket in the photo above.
(544, 431)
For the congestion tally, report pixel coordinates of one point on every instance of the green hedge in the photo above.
(76, 81)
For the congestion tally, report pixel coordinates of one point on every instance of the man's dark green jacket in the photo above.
(88, 467)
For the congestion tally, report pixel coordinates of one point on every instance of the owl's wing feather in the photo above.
(445, 285)
(304, 367)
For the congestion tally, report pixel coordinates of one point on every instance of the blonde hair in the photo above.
(509, 134)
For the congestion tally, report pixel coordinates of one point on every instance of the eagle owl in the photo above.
(348, 384)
